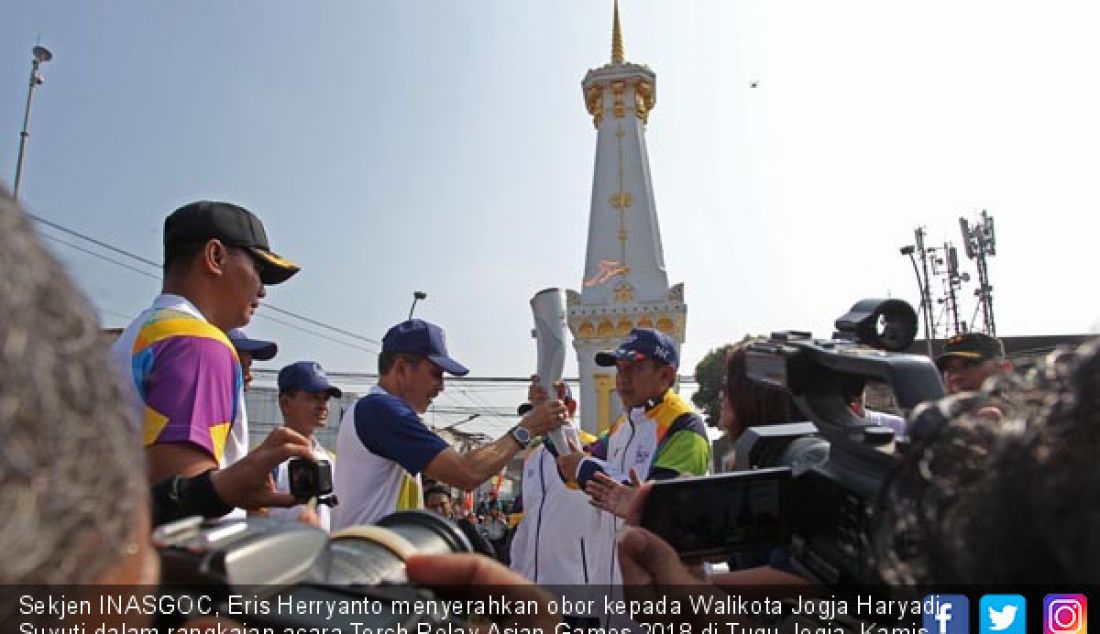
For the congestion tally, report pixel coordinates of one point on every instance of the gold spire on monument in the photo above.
(617, 54)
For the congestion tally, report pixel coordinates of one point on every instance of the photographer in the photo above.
(975, 501)
(1013, 501)
(747, 403)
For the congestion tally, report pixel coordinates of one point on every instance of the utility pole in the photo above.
(922, 285)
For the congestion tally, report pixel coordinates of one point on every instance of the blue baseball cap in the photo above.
(307, 376)
(642, 343)
(259, 349)
(417, 336)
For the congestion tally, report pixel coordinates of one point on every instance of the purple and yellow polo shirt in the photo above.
(187, 378)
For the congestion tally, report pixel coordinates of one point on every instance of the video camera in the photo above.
(311, 479)
(262, 572)
(819, 484)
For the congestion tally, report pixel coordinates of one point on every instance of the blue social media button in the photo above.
(1002, 614)
(946, 614)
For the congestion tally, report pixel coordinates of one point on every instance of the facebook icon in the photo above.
(950, 614)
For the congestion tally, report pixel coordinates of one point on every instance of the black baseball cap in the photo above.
(975, 346)
(235, 226)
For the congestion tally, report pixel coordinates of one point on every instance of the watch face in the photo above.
(521, 435)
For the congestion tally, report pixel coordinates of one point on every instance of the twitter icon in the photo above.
(1003, 614)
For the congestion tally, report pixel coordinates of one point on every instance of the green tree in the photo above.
(709, 373)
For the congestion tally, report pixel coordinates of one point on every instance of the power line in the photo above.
(99, 243)
(324, 325)
(315, 333)
(155, 277)
(100, 256)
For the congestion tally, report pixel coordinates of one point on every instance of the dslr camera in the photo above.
(268, 573)
(815, 486)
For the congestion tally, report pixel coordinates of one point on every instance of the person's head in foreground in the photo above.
(1014, 501)
(71, 474)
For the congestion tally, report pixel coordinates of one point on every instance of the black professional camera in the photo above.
(842, 465)
(816, 485)
(267, 573)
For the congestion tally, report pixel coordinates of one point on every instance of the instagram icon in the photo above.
(1065, 614)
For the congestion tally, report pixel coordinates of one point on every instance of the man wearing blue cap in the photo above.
(659, 435)
(304, 393)
(249, 350)
(384, 445)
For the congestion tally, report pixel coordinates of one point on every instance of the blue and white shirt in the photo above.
(382, 447)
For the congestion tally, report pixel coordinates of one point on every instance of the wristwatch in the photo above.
(520, 435)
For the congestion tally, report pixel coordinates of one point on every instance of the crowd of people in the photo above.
(1005, 492)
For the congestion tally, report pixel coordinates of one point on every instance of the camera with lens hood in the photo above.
(268, 573)
(816, 486)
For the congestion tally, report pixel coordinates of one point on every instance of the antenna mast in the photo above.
(981, 243)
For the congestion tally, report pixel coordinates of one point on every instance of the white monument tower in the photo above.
(625, 284)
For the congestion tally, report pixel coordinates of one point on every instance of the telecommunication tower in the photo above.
(980, 242)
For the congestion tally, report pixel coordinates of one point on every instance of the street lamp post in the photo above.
(925, 309)
(41, 55)
(417, 296)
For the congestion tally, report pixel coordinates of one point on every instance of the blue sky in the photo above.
(444, 146)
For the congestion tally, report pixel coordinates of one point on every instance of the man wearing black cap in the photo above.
(184, 369)
(384, 446)
(659, 436)
(304, 393)
(969, 359)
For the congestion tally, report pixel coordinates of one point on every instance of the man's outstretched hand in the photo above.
(608, 494)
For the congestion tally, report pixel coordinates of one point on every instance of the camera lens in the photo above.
(369, 555)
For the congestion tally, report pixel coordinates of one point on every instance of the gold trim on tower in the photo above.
(618, 56)
(605, 387)
(624, 293)
(643, 100)
(594, 101)
(618, 106)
